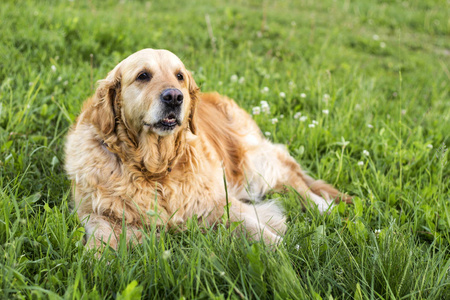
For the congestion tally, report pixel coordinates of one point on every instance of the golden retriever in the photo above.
(149, 148)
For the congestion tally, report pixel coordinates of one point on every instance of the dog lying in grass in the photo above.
(149, 141)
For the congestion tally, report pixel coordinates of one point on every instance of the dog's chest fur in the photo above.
(100, 178)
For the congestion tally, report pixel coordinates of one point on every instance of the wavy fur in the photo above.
(121, 169)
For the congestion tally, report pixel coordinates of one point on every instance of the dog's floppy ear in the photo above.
(104, 115)
(194, 93)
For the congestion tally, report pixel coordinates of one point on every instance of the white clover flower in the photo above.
(281, 116)
(366, 153)
(403, 111)
(166, 254)
(383, 45)
(234, 78)
(370, 125)
(303, 118)
(326, 111)
(30, 83)
(360, 163)
(265, 89)
(59, 78)
(220, 82)
(241, 80)
(311, 125)
(375, 37)
(222, 274)
(283, 95)
(66, 82)
(53, 68)
(265, 107)
(430, 146)
(256, 110)
(302, 95)
(297, 247)
(326, 97)
(274, 120)
(297, 115)
(267, 133)
(315, 122)
(377, 232)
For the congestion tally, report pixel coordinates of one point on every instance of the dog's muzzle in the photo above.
(172, 100)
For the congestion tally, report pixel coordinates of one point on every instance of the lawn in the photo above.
(358, 91)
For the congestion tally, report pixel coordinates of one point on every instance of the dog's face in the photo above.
(155, 91)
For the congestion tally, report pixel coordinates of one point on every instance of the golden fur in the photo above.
(122, 168)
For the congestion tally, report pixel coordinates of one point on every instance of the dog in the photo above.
(149, 148)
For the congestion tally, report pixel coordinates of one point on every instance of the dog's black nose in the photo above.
(172, 97)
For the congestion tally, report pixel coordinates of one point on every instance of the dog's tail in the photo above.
(327, 191)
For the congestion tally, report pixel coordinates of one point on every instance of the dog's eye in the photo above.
(144, 76)
(180, 76)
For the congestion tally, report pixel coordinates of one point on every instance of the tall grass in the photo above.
(370, 81)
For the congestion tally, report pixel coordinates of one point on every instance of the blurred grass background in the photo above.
(371, 81)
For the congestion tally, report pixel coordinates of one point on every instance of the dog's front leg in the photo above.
(101, 230)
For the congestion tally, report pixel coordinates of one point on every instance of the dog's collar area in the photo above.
(104, 144)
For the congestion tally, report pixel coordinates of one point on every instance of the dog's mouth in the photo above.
(168, 123)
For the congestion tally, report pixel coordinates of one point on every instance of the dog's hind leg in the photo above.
(271, 167)
(261, 221)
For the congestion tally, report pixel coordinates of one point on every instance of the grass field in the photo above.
(371, 81)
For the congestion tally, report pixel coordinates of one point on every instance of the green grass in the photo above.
(383, 63)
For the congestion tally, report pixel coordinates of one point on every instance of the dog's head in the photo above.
(150, 92)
